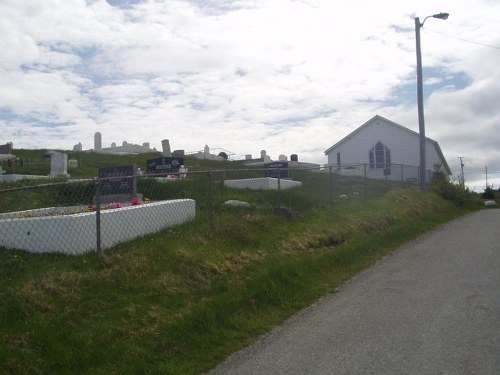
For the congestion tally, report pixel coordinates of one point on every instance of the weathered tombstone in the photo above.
(58, 163)
(164, 165)
(277, 170)
(178, 153)
(97, 142)
(282, 158)
(165, 144)
(294, 157)
(117, 184)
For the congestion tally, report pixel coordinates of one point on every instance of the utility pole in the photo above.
(420, 96)
(462, 167)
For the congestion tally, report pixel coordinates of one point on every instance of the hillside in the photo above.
(179, 301)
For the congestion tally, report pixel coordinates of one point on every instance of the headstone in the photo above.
(97, 142)
(118, 184)
(164, 165)
(206, 150)
(248, 157)
(78, 147)
(58, 163)
(178, 154)
(165, 144)
(73, 163)
(282, 158)
(294, 157)
(277, 170)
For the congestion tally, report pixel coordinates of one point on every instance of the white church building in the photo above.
(381, 148)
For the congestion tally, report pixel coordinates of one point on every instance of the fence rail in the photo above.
(79, 216)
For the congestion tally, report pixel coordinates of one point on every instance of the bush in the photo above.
(448, 190)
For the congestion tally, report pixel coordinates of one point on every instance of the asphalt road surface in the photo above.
(432, 307)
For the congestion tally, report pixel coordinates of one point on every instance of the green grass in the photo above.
(180, 301)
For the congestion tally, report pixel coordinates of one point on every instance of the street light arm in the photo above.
(441, 16)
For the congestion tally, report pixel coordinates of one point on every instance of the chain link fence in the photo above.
(79, 216)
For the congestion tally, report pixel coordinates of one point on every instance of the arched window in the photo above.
(380, 156)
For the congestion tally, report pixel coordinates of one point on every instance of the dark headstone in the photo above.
(118, 181)
(277, 169)
(164, 165)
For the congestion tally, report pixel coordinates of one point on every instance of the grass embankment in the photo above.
(178, 302)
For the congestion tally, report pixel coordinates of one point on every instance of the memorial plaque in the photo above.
(164, 165)
(277, 170)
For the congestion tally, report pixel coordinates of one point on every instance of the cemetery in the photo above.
(124, 214)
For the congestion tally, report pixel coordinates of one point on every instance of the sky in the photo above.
(285, 76)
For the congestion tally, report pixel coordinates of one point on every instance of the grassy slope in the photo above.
(178, 302)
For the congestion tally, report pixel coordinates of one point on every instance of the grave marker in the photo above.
(118, 184)
(164, 165)
(277, 170)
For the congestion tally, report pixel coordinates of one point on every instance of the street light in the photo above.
(420, 95)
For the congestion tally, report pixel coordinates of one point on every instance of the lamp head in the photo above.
(442, 16)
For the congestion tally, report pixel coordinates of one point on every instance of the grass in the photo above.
(180, 301)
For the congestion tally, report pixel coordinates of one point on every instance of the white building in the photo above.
(381, 148)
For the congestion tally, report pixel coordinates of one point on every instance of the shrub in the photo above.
(448, 190)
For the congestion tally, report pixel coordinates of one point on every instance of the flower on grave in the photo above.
(116, 205)
(136, 202)
(90, 208)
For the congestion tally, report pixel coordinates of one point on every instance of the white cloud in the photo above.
(282, 75)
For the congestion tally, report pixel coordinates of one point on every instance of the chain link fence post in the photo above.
(98, 217)
(331, 184)
(279, 189)
(210, 201)
(365, 181)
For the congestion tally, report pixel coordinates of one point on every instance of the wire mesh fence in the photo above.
(79, 216)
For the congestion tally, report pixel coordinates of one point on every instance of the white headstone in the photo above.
(206, 150)
(58, 163)
(97, 142)
(282, 158)
(165, 144)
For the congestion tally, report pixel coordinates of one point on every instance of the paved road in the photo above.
(432, 307)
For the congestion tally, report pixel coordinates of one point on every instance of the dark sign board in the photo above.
(117, 180)
(164, 165)
(277, 169)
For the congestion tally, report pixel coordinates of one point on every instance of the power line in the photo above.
(464, 40)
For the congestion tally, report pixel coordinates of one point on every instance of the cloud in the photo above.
(282, 75)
